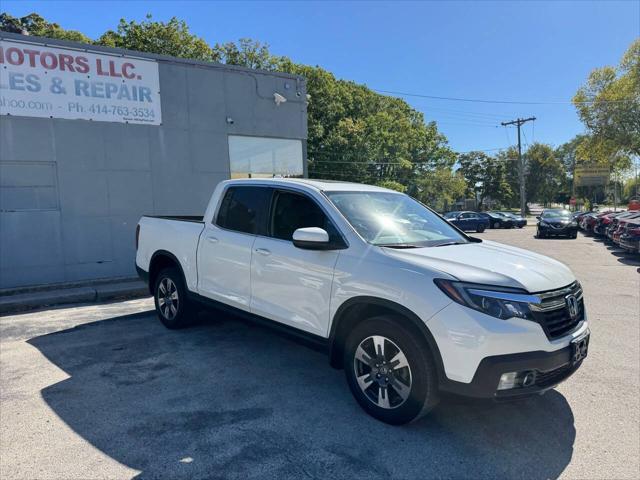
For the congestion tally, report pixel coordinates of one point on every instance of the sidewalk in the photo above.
(29, 298)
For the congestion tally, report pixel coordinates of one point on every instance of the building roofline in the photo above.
(121, 52)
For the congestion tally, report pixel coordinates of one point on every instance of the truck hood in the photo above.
(491, 263)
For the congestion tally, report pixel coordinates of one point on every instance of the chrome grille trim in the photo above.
(555, 299)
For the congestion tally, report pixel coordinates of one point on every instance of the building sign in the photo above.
(591, 176)
(53, 82)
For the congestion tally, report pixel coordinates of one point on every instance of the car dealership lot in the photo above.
(104, 391)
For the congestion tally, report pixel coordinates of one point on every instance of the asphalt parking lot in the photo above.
(104, 391)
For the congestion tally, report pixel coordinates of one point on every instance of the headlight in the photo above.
(574, 224)
(498, 302)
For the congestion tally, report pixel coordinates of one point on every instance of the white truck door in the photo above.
(225, 248)
(289, 284)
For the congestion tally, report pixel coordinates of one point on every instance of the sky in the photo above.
(535, 51)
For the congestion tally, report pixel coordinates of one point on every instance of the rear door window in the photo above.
(244, 209)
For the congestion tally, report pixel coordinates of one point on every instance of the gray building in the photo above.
(91, 139)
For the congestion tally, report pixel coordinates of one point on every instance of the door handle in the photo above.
(212, 239)
(263, 251)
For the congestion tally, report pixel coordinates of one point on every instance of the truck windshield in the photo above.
(394, 220)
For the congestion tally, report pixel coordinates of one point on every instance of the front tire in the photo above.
(390, 372)
(480, 228)
(496, 225)
(170, 297)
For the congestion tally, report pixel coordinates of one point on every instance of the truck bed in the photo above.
(179, 218)
(178, 235)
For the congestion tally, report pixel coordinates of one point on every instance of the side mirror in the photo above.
(311, 238)
(538, 217)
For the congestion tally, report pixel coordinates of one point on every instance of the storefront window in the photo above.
(259, 157)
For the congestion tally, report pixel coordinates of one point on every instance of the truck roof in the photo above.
(322, 185)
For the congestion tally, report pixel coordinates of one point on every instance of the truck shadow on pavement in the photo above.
(228, 399)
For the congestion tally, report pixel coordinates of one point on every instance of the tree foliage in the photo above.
(34, 24)
(609, 106)
(485, 177)
(546, 178)
(165, 38)
(247, 53)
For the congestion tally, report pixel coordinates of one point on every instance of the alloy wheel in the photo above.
(168, 300)
(382, 372)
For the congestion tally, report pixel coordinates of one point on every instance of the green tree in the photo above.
(546, 175)
(34, 24)
(485, 177)
(509, 158)
(247, 53)
(609, 106)
(439, 188)
(631, 189)
(165, 38)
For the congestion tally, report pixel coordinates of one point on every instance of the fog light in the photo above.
(508, 380)
(511, 380)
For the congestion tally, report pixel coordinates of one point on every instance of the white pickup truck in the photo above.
(406, 303)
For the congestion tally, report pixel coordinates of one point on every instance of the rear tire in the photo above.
(390, 372)
(170, 296)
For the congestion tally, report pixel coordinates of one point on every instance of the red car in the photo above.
(618, 225)
(590, 221)
(630, 238)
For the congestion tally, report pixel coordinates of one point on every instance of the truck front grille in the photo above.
(553, 313)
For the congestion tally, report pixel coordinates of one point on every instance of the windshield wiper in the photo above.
(445, 244)
(399, 245)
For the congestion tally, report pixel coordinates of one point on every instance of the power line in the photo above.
(470, 124)
(526, 141)
(313, 160)
(463, 112)
(507, 102)
(457, 117)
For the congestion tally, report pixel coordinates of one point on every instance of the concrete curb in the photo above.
(94, 293)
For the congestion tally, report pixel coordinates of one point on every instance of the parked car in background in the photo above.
(630, 237)
(577, 216)
(588, 221)
(556, 222)
(619, 221)
(518, 220)
(497, 220)
(603, 222)
(467, 221)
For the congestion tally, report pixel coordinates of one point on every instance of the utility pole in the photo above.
(523, 198)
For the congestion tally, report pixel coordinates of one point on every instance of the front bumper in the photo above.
(564, 231)
(551, 368)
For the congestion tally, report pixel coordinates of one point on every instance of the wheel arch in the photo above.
(358, 309)
(160, 260)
